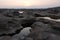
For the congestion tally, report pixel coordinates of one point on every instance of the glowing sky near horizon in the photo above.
(28, 3)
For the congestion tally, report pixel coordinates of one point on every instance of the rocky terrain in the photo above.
(30, 24)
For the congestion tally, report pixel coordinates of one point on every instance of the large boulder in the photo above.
(39, 31)
(44, 29)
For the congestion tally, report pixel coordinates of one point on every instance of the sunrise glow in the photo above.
(28, 3)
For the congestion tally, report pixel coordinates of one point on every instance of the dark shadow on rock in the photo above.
(12, 34)
(28, 23)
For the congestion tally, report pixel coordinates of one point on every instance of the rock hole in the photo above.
(28, 23)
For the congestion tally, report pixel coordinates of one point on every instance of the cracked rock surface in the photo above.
(32, 24)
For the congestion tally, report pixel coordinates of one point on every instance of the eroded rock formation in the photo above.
(12, 24)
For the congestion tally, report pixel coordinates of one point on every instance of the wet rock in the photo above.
(46, 14)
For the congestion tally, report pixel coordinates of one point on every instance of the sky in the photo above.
(29, 3)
